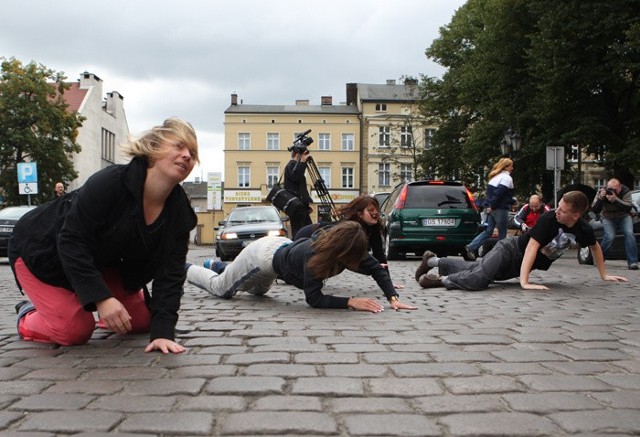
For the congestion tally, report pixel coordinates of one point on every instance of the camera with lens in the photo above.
(301, 143)
(610, 191)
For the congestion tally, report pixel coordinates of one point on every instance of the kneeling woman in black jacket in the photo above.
(305, 263)
(96, 248)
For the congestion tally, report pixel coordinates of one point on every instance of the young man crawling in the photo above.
(554, 233)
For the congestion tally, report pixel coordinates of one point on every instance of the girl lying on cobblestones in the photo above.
(96, 248)
(554, 233)
(305, 263)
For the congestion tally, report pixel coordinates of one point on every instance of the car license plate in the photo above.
(6, 229)
(438, 222)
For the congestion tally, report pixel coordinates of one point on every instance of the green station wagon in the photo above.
(440, 216)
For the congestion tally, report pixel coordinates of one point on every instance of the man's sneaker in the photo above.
(423, 267)
(470, 256)
(427, 281)
(207, 263)
(633, 266)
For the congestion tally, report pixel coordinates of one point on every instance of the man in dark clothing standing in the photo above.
(295, 182)
(614, 203)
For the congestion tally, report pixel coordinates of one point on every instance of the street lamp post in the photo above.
(511, 143)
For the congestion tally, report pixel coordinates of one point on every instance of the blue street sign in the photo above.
(27, 172)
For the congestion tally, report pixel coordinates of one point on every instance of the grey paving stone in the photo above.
(396, 357)
(329, 386)
(513, 368)
(404, 387)
(14, 372)
(459, 404)
(380, 405)
(476, 339)
(245, 385)
(391, 425)
(563, 383)
(176, 423)
(499, 424)
(52, 401)
(434, 369)
(579, 367)
(211, 403)
(325, 358)
(165, 387)
(259, 357)
(71, 421)
(549, 402)
(126, 373)
(203, 371)
(527, 356)
(618, 399)
(278, 423)
(23, 388)
(132, 404)
(595, 354)
(465, 357)
(482, 384)
(355, 370)
(283, 370)
(601, 421)
(9, 417)
(288, 403)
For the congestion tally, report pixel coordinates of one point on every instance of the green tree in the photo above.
(560, 73)
(35, 126)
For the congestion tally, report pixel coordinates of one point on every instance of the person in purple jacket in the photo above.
(304, 263)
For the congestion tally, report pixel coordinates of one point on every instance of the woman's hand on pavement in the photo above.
(364, 304)
(165, 346)
(114, 315)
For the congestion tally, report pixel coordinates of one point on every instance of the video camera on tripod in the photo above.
(301, 142)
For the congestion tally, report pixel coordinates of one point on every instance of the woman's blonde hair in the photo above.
(341, 246)
(173, 130)
(500, 166)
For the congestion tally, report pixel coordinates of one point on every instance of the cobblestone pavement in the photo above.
(499, 362)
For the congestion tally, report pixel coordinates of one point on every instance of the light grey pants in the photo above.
(251, 271)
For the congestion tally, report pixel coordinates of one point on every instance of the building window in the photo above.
(347, 142)
(324, 141)
(600, 153)
(573, 155)
(428, 138)
(381, 107)
(347, 177)
(272, 176)
(325, 174)
(244, 141)
(384, 136)
(406, 172)
(600, 183)
(244, 177)
(384, 174)
(108, 145)
(405, 136)
(273, 141)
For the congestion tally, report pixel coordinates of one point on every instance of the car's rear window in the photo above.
(437, 196)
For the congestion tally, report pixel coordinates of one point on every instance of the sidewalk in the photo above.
(498, 362)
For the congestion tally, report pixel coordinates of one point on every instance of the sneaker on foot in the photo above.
(430, 282)
(470, 256)
(207, 263)
(423, 267)
(633, 266)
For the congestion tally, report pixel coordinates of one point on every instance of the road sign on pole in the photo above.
(28, 179)
(555, 162)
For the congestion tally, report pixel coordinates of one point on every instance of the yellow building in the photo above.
(256, 142)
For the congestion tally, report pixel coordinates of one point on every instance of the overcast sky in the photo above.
(185, 58)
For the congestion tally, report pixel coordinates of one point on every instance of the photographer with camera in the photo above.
(296, 182)
(614, 204)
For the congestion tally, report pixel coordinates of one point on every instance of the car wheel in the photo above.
(584, 256)
(389, 252)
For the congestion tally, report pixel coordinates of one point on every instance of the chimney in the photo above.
(352, 94)
(302, 102)
(326, 100)
(234, 99)
(391, 81)
(88, 80)
(114, 101)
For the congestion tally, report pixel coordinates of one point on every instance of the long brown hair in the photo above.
(339, 247)
(351, 210)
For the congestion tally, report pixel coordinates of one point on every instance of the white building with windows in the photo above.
(103, 130)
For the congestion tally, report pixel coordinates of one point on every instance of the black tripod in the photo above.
(321, 189)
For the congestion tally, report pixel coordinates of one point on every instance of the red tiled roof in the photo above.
(74, 97)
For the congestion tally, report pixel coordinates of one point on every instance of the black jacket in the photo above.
(290, 263)
(295, 181)
(70, 241)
